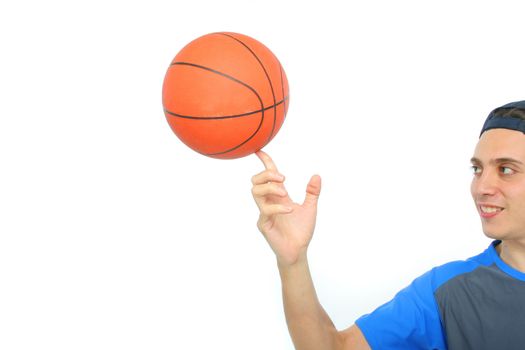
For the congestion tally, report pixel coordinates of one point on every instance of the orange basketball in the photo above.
(225, 95)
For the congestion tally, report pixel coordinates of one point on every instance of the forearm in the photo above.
(309, 325)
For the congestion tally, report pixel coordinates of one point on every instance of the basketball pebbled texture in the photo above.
(225, 95)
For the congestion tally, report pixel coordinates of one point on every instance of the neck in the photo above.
(513, 254)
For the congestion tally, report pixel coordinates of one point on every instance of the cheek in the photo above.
(515, 198)
(473, 188)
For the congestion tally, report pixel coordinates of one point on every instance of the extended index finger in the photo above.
(267, 160)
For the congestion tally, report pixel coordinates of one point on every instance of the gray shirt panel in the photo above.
(483, 310)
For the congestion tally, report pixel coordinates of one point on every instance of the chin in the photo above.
(504, 235)
(493, 234)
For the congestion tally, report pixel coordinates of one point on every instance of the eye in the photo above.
(475, 170)
(506, 170)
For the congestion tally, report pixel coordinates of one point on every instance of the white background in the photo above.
(114, 235)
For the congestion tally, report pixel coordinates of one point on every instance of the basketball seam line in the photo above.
(237, 81)
(225, 116)
(267, 77)
(282, 87)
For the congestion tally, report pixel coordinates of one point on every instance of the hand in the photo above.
(287, 226)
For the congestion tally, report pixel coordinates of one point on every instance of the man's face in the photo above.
(498, 185)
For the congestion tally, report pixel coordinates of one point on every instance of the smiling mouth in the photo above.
(490, 210)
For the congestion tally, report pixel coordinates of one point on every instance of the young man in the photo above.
(476, 304)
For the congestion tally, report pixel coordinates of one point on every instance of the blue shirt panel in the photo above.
(411, 320)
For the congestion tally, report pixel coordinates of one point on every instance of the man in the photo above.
(476, 304)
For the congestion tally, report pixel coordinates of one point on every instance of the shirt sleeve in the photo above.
(409, 321)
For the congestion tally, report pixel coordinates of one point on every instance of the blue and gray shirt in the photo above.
(476, 304)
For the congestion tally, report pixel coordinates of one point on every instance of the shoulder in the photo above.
(412, 317)
(439, 275)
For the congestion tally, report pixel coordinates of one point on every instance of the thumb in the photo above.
(313, 190)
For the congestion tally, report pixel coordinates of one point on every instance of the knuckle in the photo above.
(266, 211)
(260, 226)
(279, 190)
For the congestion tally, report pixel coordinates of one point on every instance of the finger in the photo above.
(313, 190)
(268, 189)
(275, 209)
(267, 160)
(267, 176)
(262, 194)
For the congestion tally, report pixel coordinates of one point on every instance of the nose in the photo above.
(485, 184)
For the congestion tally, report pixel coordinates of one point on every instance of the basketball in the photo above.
(225, 95)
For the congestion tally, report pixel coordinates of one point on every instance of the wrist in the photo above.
(289, 264)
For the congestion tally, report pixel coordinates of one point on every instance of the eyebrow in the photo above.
(497, 161)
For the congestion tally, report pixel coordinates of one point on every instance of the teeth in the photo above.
(490, 210)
